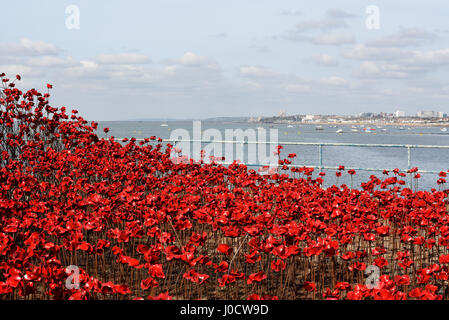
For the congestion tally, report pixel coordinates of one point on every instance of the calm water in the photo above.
(383, 158)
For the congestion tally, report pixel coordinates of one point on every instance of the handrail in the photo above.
(320, 150)
(311, 143)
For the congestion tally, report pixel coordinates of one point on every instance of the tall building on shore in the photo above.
(399, 114)
(431, 114)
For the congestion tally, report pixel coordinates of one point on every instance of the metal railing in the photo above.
(320, 146)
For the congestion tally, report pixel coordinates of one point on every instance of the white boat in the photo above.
(289, 126)
(354, 130)
(164, 125)
(339, 131)
(319, 128)
(443, 129)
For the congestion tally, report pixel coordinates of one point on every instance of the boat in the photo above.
(443, 129)
(164, 125)
(319, 128)
(339, 131)
(354, 130)
(289, 126)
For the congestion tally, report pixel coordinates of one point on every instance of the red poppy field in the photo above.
(141, 226)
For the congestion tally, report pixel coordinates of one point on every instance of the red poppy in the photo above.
(309, 286)
(225, 249)
(149, 282)
(256, 277)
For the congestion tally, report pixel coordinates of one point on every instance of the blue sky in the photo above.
(199, 59)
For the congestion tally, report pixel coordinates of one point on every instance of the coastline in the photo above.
(364, 123)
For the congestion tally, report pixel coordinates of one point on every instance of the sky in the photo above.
(121, 60)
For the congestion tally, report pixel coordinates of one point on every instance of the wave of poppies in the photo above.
(139, 225)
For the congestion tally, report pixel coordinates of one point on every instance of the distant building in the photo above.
(366, 115)
(385, 115)
(308, 117)
(441, 114)
(426, 114)
(282, 114)
(399, 114)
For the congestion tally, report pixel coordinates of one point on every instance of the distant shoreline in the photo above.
(326, 123)
(365, 123)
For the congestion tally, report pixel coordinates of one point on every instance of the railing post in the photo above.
(320, 150)
(409, 165)
(409, 162)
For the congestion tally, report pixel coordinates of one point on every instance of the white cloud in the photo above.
(337, 13)
(27, 47)
(334, 39)
(408, 37)
(123, 58)
(260, 48)
(89, 64)
(333, 19)
(325, 60)
(221, 35)
(190, 59)
(433, 57)
(387, 91)
(85, 68)
(395, 62)
(51, 62)
(372, 70)
(26, 71)
(335, 81)
(318, 31)
(362, 52)
(297, 88)
(291, 13)
(323, 25)
(254, 71)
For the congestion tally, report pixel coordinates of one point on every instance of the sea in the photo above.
(388, 158)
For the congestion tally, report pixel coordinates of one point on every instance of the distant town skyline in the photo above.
(398, 113)
(179, 59)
